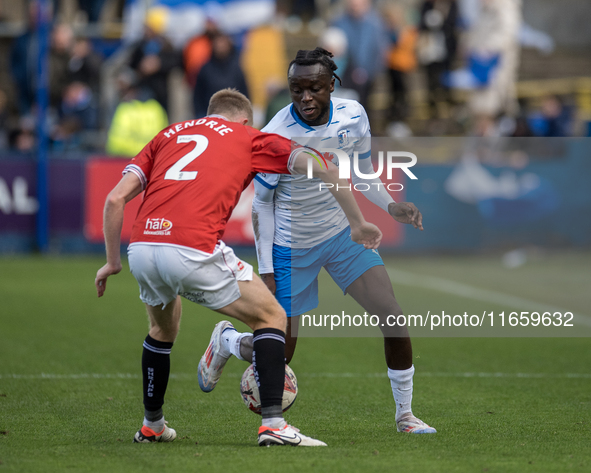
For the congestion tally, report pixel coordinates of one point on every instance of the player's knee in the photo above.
(394, 326)
(385, 309)
(274, 316)
(167, 333)
(396, 309)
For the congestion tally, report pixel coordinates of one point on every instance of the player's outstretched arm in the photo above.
(403, 212)
(129, 186)
(376, 192)
(362, 232)
(406, 212)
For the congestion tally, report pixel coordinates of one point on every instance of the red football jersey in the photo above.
(193, 174)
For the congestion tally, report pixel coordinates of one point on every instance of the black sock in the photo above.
(155, 370)
(268, 358)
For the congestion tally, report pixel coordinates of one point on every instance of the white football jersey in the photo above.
(304, 215)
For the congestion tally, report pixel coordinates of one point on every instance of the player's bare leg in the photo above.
(164, 328)
(165, 322)
(373, 291)
(259, 309)
(291, 337)
(256, 307)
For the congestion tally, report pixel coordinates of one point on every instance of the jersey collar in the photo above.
(216, 115)
(305, 125)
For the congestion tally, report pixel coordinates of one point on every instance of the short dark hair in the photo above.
(231, 102)
(307, 57)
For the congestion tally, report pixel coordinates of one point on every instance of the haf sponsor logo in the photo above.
(158, 226)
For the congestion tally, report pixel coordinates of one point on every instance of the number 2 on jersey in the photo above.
(176, 173)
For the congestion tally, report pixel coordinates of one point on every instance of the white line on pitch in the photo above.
(449, 375)
(470, 292)
(187, 376)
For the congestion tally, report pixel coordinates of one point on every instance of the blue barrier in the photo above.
(551, 206)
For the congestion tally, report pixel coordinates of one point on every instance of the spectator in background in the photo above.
(153, 57)
(553, 120)
(367, 48)
(74, 71)
(401, 60)
(198, 51)
(335, 40)
(278, 97)
(92, 8)
(136, 120)
(263, 61)
(23, 138)
(78, 113)
(521, 128)
(84, 64)
(62, 40)
(222, 71)
(493, 55)
(436, 48)
(23, 61)
(304, 9)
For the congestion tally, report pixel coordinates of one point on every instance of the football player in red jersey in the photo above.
(193, 174)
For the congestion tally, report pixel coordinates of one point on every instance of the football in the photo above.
(250, 390)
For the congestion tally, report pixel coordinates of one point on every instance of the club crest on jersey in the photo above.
(157, 226)
(343, 136)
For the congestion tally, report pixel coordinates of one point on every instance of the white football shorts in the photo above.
(163, 271)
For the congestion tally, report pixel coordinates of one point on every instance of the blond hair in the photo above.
(231, 104)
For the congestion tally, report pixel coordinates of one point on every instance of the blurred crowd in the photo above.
(424, 67)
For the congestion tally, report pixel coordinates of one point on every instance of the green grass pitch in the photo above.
(70, 386)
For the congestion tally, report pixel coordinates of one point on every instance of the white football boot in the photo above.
(288, 435)
(212, 362)
(147, 435)
(411, 425)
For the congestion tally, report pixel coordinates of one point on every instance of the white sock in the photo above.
(401, 381)
(274, 422)
(231, 342)
(156, 426)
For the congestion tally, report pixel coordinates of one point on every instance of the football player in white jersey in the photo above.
(299, 230)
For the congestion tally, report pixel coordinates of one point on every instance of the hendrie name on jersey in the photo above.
(214, 125)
